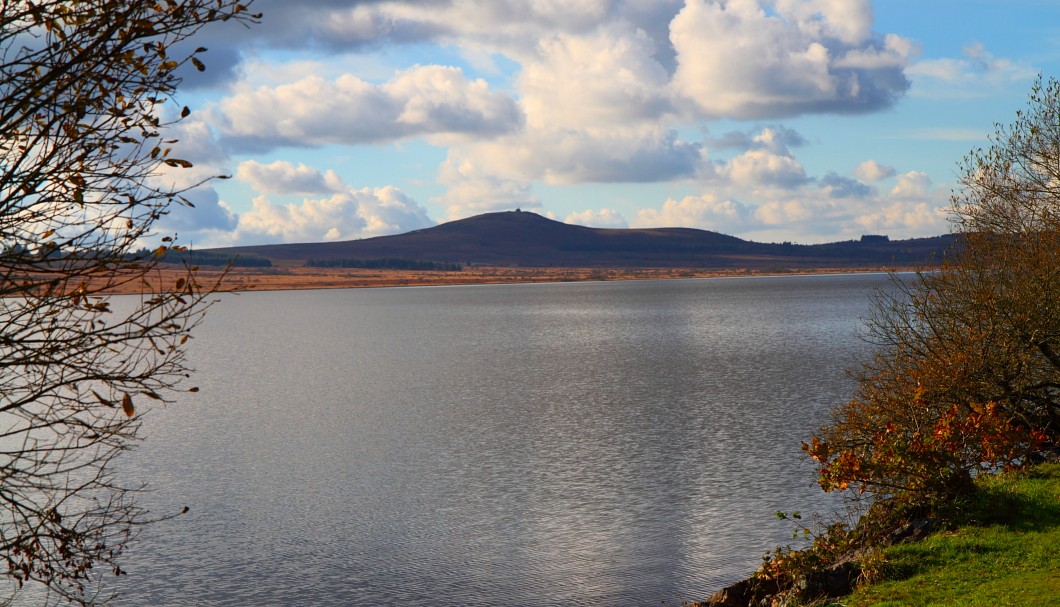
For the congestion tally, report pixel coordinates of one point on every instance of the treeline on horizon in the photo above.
(204, 258)
(387, 263)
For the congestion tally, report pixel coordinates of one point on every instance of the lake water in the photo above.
(620, 443)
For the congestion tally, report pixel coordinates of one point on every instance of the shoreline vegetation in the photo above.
(300, 277)
(952, 432)
(1001, 546)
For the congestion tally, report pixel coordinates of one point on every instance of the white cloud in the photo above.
(761, 167)
(342, 216)
(310, 221)
(784, 212)
(911, 184)
(706, 212)
(776, 137)
(917, 218)
(914, 206)
(766, 160)
(421, 101)
(823, 209)
(737, 59)
(562, 156)
(603, 218)
(601, 78)
(338, 212)
(194, 142)
(870, 170)
(284, 178)
(849, 21)
(209, 214)
(976, 74)
(472, 191)
(581, 91)
(836, 186)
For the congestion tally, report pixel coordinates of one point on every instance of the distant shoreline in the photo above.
(295, 278)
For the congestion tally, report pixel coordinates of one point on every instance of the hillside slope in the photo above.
(519, 238)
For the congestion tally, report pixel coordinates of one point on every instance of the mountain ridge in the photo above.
(523, 238)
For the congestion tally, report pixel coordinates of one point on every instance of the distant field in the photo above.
(301, 277)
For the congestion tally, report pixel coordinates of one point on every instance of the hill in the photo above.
(520, 238)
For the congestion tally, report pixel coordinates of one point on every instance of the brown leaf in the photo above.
(127, 405)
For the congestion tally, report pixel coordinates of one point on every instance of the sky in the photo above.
(771, 120)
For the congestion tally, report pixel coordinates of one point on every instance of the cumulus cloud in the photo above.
(763, 167)
(209, 214)
(766, 160)
(916, 218)
(837, 186)
(603, 90)
(194, 142)
(912, 184)
(472, 191)
(778, 138)
(870, 170)
(284, 178)
(740, 60)
(707, 212)
(330, 209)
(784, 212)
(914, 206)
(561, 156)
(581, 91)
(605, 77)
(603, 218)
(823, 209)
(422, 101)
(342, 216)
(339, 25)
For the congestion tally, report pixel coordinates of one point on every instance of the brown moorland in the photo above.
(302, 277)
(521, 247)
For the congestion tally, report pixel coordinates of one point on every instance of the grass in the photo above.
(1007, 552)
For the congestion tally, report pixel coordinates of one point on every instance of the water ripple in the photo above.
(594, 444)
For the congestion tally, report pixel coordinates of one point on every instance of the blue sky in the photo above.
(800, 120)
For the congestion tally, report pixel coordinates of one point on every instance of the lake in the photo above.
(612, 443)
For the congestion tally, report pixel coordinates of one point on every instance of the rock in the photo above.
(745, 593)
(735, 595)
(835, 581)
(914, 530)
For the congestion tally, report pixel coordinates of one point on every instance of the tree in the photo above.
(966, 375)
(85, 89)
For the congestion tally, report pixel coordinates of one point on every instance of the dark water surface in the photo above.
(557, 444)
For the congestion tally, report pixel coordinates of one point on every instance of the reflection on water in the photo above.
(565, 444)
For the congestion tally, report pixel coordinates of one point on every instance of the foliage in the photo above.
(829, 543)
(1007, 551)
(964, 384)
(966, 376)
(85, 86)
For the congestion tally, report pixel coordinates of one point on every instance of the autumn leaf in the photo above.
(127, 405)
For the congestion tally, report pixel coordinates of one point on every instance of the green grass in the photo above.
(1008, 553)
